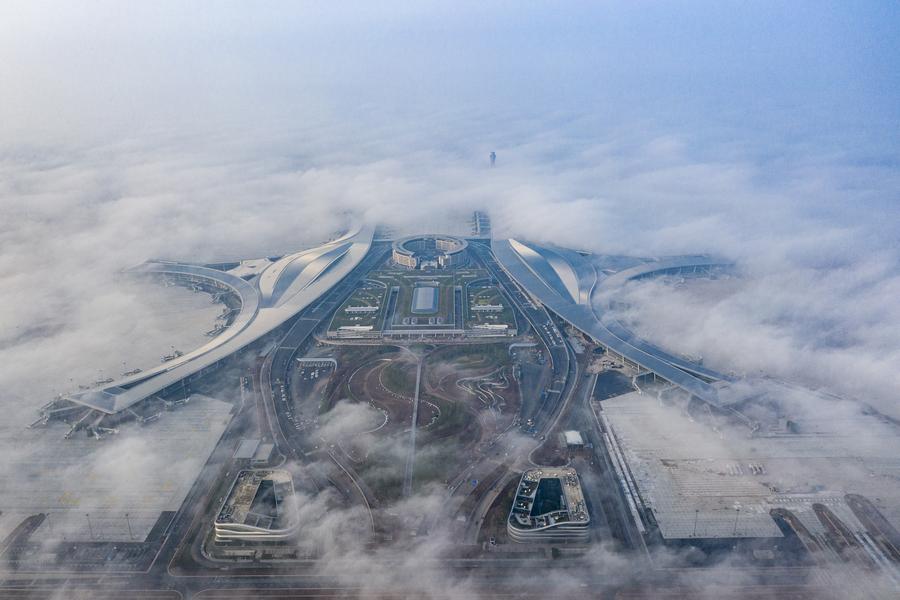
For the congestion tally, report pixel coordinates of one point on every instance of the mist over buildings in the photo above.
(765, 134)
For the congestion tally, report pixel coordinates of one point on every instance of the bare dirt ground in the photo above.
(468, 397)
(371, 406)
(481, 381)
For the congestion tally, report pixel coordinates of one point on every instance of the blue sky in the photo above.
(790, 70)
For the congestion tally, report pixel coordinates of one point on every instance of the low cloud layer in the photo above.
(816, 248)
(831, 328)
(764, 135)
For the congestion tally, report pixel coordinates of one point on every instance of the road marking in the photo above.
(411, 457)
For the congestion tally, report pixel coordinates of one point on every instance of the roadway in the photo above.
(557, 397)
(411, 453)
(302, 578)
(584, 318)
(275, 379)
(179, 553)
(543, 326)
(610, 498)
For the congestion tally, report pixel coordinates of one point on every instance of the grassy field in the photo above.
(473, 355)
(366, 295)
(349, 358)
(383, 473)
(400, 378)
(406, 280)
(441, 449)
(488, 295)
(454, 421)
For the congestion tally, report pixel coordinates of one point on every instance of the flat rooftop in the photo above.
(548, 496)
(726, 481)
(425, 299)
(141, 472)
(259, 498)
(246, 449)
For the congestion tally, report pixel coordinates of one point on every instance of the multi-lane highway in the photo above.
(561, 359)
(554, 400)
(181, 570)
(275, 378)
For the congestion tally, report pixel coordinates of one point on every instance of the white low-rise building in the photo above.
(261, 506)
(549, 507)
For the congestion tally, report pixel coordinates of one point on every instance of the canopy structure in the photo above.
(564, 282)
(283, 289)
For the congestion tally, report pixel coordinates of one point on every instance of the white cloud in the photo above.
(169, 131)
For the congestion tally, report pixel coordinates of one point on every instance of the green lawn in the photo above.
(486, 295)
(367, 294)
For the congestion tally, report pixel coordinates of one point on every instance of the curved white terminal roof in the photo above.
(295, 272)
(540, 271)
(549, 266)
(659, 267)
(656, 268)
(284, 289)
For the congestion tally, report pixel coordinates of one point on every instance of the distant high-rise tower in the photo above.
(493, 157)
